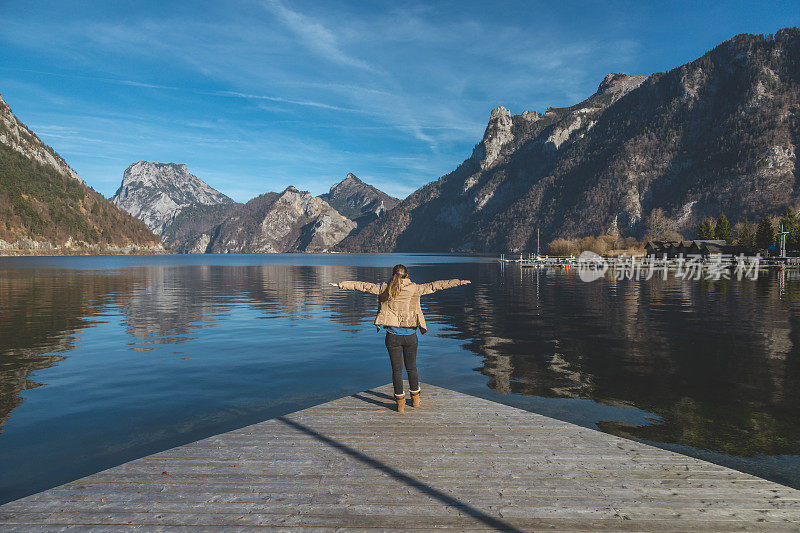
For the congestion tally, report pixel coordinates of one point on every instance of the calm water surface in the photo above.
(105, 359)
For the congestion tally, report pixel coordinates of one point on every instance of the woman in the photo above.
(400, 314)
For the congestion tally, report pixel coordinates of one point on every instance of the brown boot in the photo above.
(414, 399)
(401, 403)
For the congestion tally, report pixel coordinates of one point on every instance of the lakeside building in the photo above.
(697, 247)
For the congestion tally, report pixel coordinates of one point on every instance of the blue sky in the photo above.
(256, 95)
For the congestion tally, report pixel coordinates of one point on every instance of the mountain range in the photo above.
(642, 155)
(46, 208)
(192, 217)
(716, 135)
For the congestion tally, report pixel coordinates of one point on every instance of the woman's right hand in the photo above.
(465, 282)
(333, 284)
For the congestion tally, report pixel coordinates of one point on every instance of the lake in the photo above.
(105, 359)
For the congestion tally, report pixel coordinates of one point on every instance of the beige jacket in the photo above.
(403, 311)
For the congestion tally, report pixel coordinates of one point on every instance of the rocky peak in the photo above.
(618, 84)
(349, 185)
(302, 202)
(156, 192)
(499, 113)
(355, 199)
(291, 221)
(20, 138)
(349, 180)
(531, 116)
(497, 134)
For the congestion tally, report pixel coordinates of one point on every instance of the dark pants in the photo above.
(403, 348)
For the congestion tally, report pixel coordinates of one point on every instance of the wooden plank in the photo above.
(456, 462)
(578, 507)
(318, 494)
(192, 522)
(220, 492)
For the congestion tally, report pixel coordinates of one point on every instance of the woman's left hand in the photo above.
(333, 284)
(465, 282)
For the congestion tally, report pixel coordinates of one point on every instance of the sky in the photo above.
(256, 95)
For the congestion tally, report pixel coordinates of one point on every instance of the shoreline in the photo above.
(79, 253)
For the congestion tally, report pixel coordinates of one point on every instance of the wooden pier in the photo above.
(455, 462)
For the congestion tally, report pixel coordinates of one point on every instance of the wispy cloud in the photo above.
(129, 83)
(321, 105)
(230, 94)
(315, 36)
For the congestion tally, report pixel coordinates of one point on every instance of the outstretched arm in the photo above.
(363, 286)
(433, 286)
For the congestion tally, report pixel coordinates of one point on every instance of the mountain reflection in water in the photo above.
(140, 354)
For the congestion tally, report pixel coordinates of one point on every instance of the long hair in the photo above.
(393, 288)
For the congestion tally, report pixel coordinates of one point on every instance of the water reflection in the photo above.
(174, 303)
(716, 363)
(42, 311)
(39, 315)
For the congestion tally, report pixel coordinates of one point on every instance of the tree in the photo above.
(657, 224)
(706, 230)
(672, 236)
(792, 226)
(745, 236)
(722, 230)
(562, 247)
(765, 234)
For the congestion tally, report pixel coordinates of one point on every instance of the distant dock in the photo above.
(655, 262)
(455, 462)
